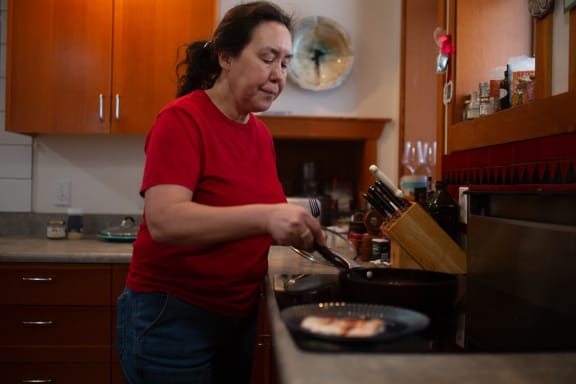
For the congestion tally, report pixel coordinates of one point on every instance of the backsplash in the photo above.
(34, 224)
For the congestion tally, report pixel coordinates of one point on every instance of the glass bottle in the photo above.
(505, 90)
(444, 209)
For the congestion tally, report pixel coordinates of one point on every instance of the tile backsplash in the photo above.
(15, 149)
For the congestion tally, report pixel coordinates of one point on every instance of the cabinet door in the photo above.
(59, 61)
(55, 333)
(147, 38)
(54, 284)
(16, 373)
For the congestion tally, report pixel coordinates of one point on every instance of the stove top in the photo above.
(519, 327)
(443, 335)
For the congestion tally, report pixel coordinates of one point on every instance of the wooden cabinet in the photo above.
(56, 322)
(481, 45)
(58, 325)
(80, 66)
(62, 373)
(264, 369)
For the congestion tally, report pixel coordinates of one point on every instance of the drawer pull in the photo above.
(36, 381)
(40, 279)
(101, 107)
(40, 323)
(117, 106)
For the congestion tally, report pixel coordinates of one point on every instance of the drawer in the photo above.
(50, 284)
(61, 373)
(55, 333)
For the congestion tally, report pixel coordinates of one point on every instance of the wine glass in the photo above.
(410, 157)
(427, 155)
(431, 158)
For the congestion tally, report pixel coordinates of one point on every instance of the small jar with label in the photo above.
(56, 229)
(381, 249)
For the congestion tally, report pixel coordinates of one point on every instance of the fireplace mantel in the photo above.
(365, 130)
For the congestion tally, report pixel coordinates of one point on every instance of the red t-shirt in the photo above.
(225, 163)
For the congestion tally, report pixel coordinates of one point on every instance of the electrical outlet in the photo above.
(63, 193)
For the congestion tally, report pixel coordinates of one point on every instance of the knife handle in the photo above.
(383, 178)
(399, 202)
(377, 206)
(383, 200)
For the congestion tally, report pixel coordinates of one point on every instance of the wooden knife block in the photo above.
(430, 247)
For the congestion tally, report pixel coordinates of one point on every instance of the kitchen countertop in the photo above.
(299, 367)
(29, 250)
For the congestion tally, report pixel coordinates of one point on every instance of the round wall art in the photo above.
(323, 55)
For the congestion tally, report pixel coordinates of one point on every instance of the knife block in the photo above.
(420, 236)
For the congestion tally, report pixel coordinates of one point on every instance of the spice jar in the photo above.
(56, 229)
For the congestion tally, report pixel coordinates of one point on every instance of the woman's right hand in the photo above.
(290, 224)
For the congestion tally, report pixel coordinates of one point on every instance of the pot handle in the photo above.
(336, 259)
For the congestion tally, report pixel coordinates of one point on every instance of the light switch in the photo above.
(63, 193)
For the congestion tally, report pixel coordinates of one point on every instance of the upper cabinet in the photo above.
(486, 34)
(96, 67)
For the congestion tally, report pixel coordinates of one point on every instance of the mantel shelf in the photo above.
(324, 128)
(364, 130)
(546, 117)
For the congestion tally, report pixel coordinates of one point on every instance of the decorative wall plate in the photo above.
(540, 8)
(323, 55)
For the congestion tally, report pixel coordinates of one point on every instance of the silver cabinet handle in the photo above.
(40, 323)
(36, 381)
(101, 112)
(38, 279)
(117, 106)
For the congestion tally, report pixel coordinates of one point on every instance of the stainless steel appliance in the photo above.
(521, 279)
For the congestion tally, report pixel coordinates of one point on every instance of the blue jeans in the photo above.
(163, 340)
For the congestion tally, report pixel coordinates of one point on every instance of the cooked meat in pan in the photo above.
(344, 327)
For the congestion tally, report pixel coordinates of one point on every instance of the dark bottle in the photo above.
(505, 90)
(444, 209)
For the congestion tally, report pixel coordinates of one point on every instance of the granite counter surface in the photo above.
(27, 250)
(299, 367)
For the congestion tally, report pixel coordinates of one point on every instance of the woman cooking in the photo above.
(213, 206)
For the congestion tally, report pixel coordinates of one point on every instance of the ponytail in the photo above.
(199, 68)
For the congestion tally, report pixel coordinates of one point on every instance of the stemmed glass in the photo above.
(410, 157)
(427, 155)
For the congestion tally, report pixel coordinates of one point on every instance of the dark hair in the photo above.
(199, 68)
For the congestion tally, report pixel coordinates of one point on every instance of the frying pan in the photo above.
(426, 291)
